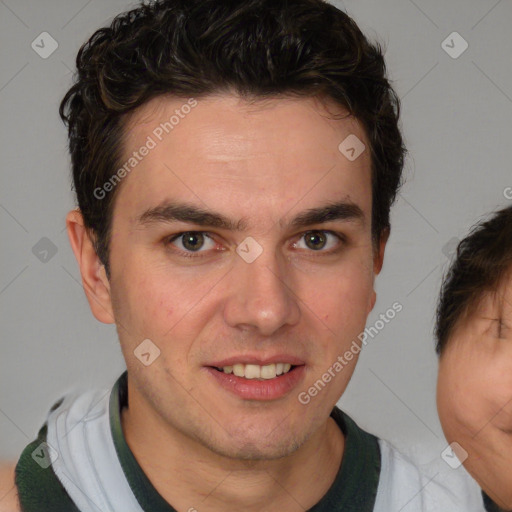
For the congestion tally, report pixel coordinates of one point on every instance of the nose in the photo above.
(261, 295)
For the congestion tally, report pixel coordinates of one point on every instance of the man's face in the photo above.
(474, 393)
(301, 302)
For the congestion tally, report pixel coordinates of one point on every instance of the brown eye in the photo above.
(315, 239)
(193, 241)
(321, 241)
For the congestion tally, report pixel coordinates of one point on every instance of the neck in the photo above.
(191, 477)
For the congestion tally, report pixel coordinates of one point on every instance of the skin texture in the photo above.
(200, 445)
(474, 393)
(8, 492)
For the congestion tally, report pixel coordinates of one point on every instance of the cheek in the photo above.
(489, 396)
(341, 301)
(350, 294)
(460, 398)
(499, 397)
(146, 304)
(474, 393)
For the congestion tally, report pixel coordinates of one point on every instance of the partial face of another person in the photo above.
(278, 277)
(475, 392)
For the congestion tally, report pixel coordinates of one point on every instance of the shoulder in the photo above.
(8, 491)
(430, 486)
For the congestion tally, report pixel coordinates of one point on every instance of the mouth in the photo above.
(254, 371)
(256, 379)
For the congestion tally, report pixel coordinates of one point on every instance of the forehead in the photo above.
(225, 151)
(503, 296)
(490, 309)
(497, 302)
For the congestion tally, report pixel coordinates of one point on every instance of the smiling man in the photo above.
(234, 164)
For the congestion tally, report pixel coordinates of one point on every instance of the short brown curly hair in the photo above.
(254, 48)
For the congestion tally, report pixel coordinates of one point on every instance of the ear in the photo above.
(378, 261)
(94, 279)
(378, 257)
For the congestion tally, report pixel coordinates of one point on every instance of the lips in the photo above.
(257, 378)
(259, 389)
(250, 367)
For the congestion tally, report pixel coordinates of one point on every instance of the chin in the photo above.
(256, 452)
(250, 446)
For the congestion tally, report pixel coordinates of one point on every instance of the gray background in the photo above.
(456, 121)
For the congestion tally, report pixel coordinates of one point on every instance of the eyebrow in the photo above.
(169, 212)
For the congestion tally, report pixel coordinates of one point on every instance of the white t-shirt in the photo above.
(434, 487)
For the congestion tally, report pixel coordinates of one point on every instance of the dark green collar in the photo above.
(354, 489)
(490, 506)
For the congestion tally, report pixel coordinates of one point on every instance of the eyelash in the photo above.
(189, 254)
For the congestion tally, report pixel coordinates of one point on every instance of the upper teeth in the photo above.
(254, 371)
